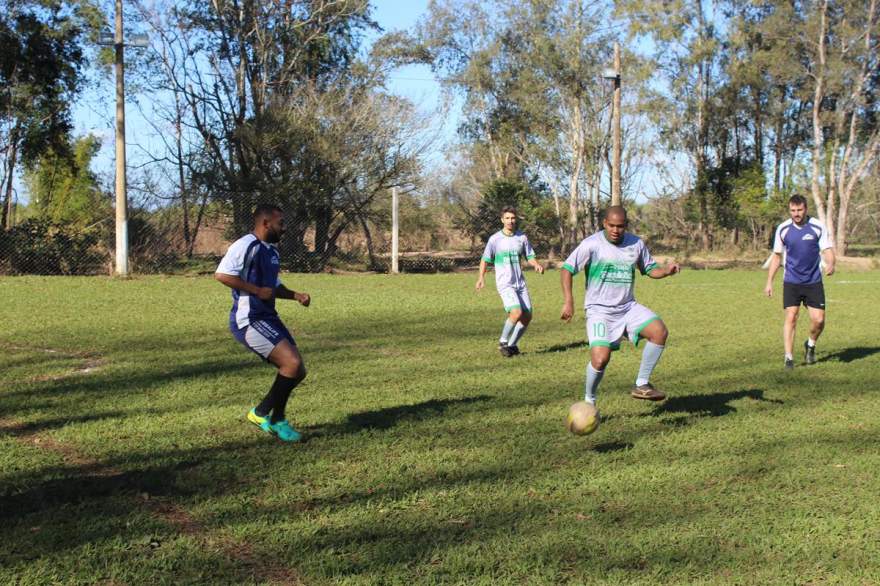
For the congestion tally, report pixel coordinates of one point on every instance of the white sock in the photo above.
(789, 356)
(811, 343)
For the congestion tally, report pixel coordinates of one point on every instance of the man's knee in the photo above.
(600, 360)
(515, 315)
(525, 318)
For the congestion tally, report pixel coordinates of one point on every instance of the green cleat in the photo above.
(261, 422)
(284, 431)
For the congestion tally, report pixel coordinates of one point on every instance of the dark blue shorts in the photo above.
(261, 336)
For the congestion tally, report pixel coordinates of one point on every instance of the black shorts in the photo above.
(812, 295)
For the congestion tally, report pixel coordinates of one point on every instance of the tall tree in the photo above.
(41, 60)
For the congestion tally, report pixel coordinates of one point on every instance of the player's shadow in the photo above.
(613, 447)
(388, 417)
(563, 347)
(851, 354)
(711, 405)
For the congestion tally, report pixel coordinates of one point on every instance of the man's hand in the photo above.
(673, 268)
(829, 269)
(567, 311)
(480, 283)
(768, 290)
(303, 298)
(539, 268)
(265, 293)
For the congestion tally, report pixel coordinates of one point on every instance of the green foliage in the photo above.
(62, 187)
(40, 246)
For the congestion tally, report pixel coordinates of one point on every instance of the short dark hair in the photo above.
(265, 209)
(508, 210)
(614, 210)
(798, 200)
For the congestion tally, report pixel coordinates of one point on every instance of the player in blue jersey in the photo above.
(504, 250)
(250, 268)
(804, 240)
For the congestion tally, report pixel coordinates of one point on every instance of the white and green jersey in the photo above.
(504, 252)
(610, 269)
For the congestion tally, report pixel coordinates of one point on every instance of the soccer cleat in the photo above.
(789, 364)
(514, 350)
(506, 351)
(261, 422)
(647, 392)
(809, 353)
(284, 431)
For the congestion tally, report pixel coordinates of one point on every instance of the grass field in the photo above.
(428, 458)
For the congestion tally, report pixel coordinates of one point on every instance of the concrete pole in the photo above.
(121, 195)
(395, 236)
(615, 161)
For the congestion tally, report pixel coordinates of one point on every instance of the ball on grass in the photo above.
(583, 418)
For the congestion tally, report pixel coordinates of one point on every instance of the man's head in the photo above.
(268, 223)
(614, 223)
(508, 218)
(797, 208)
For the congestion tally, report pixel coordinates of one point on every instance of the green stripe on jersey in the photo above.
(569, 268)
(611, 273)
(505, 257)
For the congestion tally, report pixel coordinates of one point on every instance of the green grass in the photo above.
(429, 458)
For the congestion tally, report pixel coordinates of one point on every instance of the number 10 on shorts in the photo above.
(599, 329)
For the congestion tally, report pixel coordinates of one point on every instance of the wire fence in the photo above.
(162, 243)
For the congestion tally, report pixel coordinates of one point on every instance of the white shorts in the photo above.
(607, 328)
(515, 299)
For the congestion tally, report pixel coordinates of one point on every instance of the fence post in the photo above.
(394, 232)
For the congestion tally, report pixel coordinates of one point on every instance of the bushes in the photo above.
(39, 246)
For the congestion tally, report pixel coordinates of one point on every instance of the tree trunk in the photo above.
(818, 139)
(6, 219)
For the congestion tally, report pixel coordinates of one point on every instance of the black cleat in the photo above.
(809, 353)
(789, 364)
(505, 350)
(514, 350)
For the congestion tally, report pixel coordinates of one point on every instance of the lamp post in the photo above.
(614, 75)
(116, 41)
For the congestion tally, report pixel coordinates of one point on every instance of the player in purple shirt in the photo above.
(803, 240)
(250, 268)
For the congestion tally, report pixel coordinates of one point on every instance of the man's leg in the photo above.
(291, 372)
(522, 323)
(817, 324)
(655, 333)
(599, 358)
(788, 331)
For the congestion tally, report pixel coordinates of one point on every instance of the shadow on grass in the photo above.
(562, 347)
(31, 428)
(613, 447)
(388, 417)
(713, 405)
(851, 354)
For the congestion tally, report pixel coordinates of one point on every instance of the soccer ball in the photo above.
(583, 418)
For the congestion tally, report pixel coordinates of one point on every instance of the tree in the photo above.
(64, 190)
(41, 60)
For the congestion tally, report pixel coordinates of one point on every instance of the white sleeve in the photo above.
(777, 240)
(233, 261)
(527, 248)
(824, 239)
(578, 259)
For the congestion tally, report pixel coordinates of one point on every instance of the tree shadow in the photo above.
(562, 347)
(712, 405)
(851, 354)
(36, 427)
(388, 417)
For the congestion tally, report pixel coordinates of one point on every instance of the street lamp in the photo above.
(614, 75)
(139, 40)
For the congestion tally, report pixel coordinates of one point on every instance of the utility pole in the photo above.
(615, 158)
(121, 187)
(395, 236)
